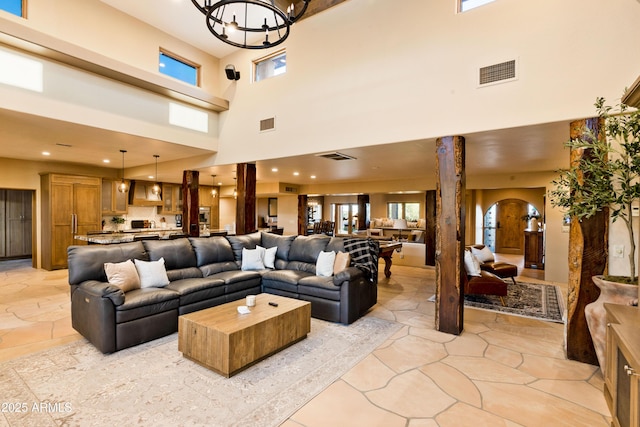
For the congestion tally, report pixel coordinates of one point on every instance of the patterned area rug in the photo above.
(153, 385)
(524, 299)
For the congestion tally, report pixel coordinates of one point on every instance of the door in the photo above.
(61, 223)
(346, 218)
(86, 204)
(509, 236)
(19, 222)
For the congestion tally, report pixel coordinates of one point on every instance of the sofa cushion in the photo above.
(252, 259)
(152, 273)
(324, 263)
(268, 256)
(483, 253)
(211, 250)
(318, 286)
(307, 248)
(306, 267)
(145, 302)
(283, 243)
(336, 244)
(218, 267)
(229, 277)
(471, 263)
(249, 241)
(197, 289)
(177, 253)
(342, 261)
(122, 274)
(286, 280)
(184, 273)
(87, 262)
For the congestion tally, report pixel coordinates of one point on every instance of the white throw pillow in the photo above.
(252, 259)
(122, 274)
(153, 274)
(484, 254)
(471, 264)
(269, 256)
(324, 263)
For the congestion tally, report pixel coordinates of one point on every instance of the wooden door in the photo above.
(509, 226)
(3, 223)
(18, 222)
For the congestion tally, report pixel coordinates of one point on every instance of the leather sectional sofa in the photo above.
(205, 272)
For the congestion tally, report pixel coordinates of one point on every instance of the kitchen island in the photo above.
(130, 235)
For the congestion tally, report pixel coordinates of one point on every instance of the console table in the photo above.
(622, 365)
(534, 249)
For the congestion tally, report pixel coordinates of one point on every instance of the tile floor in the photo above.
(501, 371)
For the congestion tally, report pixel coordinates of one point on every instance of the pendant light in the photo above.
(123, 185)
(214, 192)
(156, 190)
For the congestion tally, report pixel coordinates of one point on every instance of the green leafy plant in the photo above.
(117, 220)
(609, 177)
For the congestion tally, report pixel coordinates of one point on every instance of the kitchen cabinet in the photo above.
(70, 206)
(534, 249)
(171, 199)
(622, 370)
(113, 201)
(141, 194)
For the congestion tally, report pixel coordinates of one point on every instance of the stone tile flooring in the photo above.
(501, 371)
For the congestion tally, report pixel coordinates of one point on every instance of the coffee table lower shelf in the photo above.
(227, 342)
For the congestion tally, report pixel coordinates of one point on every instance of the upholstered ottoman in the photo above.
(503, 270)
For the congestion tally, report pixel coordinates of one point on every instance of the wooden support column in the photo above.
(246, 200)
(302, 215)
(450, 219)
(190, 203)
(588, 253)
(363, 200)
(430, 231)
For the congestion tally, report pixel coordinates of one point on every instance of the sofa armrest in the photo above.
(348, 274)
(103, 289)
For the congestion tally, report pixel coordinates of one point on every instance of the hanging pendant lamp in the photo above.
(156, 190)
(123, 185)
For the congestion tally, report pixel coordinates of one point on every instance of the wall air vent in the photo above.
(335, 156)
(267, 124)
(497, 73)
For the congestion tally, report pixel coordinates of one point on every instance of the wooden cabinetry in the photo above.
(171, 199)
(141, 194)
(534, 249)
(113, 201)
(622, 365)
(70, 206)
(206, 198)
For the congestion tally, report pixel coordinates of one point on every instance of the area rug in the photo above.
(535, 300)
(153, 385)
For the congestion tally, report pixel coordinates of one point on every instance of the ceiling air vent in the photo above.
(267, 124)
(498, 73)
(336, 156)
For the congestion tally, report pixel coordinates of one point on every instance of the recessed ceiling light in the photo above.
(296, 173)
(46, 153)
(274, 169)
(106, 161)
(313, 177)
(150, 176)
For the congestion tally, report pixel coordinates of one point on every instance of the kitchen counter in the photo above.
(124, 236)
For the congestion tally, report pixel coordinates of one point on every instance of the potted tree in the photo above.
(606, 180)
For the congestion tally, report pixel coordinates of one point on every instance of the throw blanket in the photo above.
(364, 255)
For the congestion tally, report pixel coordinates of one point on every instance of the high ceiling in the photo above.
(509, 151)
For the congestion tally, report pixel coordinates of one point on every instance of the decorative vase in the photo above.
(596, 316)
(533, 224)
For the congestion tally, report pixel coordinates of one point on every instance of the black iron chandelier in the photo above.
(249, 24)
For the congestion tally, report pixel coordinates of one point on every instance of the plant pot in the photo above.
(596, 316)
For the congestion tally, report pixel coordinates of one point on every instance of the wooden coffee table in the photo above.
(227, 342)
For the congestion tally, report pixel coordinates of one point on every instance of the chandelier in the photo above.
(249, 24)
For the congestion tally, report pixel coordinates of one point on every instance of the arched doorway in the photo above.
(503, 225)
